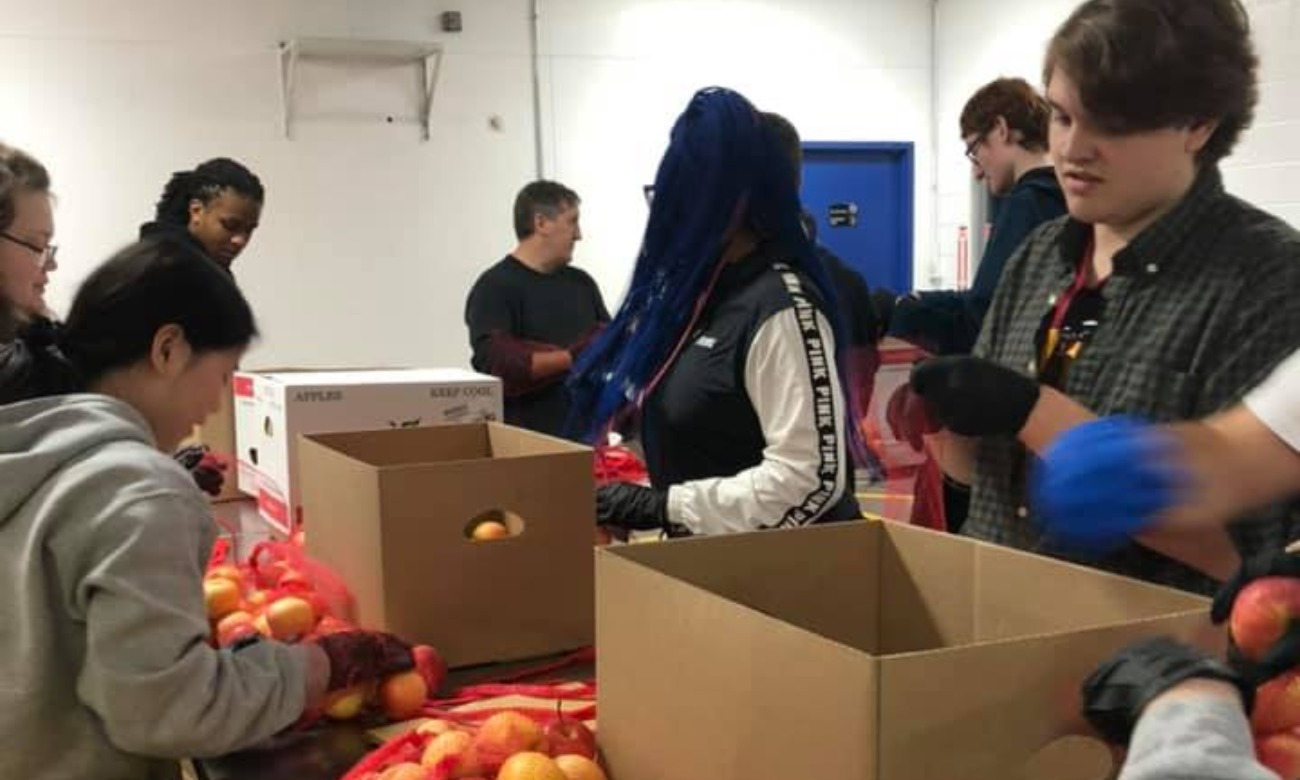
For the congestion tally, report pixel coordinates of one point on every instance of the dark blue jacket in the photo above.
(947, 322)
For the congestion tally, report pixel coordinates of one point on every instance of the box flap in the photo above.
(925, 593)
(997, 708)
(758, 686)
(1020, 595)
(410, 446)
(822, 579)
(509, 442)
(310, 377)
(345, 494)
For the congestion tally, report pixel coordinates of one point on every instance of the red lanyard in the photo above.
(1062, 308)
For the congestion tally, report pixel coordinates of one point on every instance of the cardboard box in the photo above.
(391, 511)
(859, 651)
(218, 433)
(274, 408)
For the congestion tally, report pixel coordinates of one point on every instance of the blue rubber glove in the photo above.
(1106, 480)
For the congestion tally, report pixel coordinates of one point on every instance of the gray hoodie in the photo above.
(1201, 738)
(105, 671)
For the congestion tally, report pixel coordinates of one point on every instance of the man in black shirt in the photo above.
(530, 315)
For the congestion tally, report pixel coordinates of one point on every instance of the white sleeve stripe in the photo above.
(822, 376)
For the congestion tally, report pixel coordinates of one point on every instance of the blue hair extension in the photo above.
(721, 160)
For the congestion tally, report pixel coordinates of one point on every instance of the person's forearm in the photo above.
(1054, 414)
(1207, 549)
(552, 363)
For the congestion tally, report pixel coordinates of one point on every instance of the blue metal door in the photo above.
(860, 195)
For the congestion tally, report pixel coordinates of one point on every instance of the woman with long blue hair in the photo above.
(725, 345)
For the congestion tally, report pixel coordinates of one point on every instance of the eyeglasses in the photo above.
(46, 253)
(974, 145)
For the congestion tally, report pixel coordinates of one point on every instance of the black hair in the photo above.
(116, 314)
(547, 198)
(205, 184)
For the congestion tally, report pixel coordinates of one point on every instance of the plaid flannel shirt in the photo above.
(1199, 309)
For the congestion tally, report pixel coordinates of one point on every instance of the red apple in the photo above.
(1280, 752)
(505, 734)
(569, 736)
(290, 618)
(452, 755)
(402, 695)
(1277, 704)
(430, 666)
(346, 704)
(1261, 613)
(221, 597)
(331, 625)
(225, 572)
(234, 627)
(489, 530)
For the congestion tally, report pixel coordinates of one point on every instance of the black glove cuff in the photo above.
(1114, 703)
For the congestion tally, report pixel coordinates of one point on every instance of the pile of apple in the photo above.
(280, 602)
(1260, 616)
(509, 745)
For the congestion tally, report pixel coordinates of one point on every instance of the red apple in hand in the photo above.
(569, 736)
(402, 695)
(430, 666)
(1262, 612)
(1280, 752)
(1277, 704)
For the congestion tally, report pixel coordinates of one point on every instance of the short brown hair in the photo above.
(19, 172)
(1151, 64)
(548, 198)
(1015, 101)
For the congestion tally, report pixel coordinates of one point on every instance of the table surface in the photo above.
(328, 751)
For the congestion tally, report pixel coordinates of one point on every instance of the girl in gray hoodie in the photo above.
(105, 668)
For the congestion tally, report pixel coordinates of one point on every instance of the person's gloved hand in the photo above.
(1104, 481)
(883, 302)
(975, 397)
(1116, 693)
(908, 418)
(206, 467)
(363, 656)
(1284, 654)
(632, 506)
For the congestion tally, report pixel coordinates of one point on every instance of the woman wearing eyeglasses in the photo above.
(26, 227)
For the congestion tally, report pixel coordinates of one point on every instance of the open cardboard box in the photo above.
(275, 406)
(391, 510)
(859, 651)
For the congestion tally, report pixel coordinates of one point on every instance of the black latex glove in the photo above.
(1115, 695)
(207, 468)
(975, 397)
(883, 301)
(1284, 655)
(364, 656)
(632, 506)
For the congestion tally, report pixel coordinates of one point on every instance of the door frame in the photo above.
(906, 153)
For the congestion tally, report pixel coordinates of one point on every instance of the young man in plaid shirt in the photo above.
(1160, 295)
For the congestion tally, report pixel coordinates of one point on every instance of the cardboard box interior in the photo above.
(864, 650)
(391, 511)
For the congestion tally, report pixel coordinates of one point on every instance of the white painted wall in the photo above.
(975, 46)
(370, 238)
(618, 72)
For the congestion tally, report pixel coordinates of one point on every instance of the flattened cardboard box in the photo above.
(273, 408)
(859, 651)
(391, 511)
